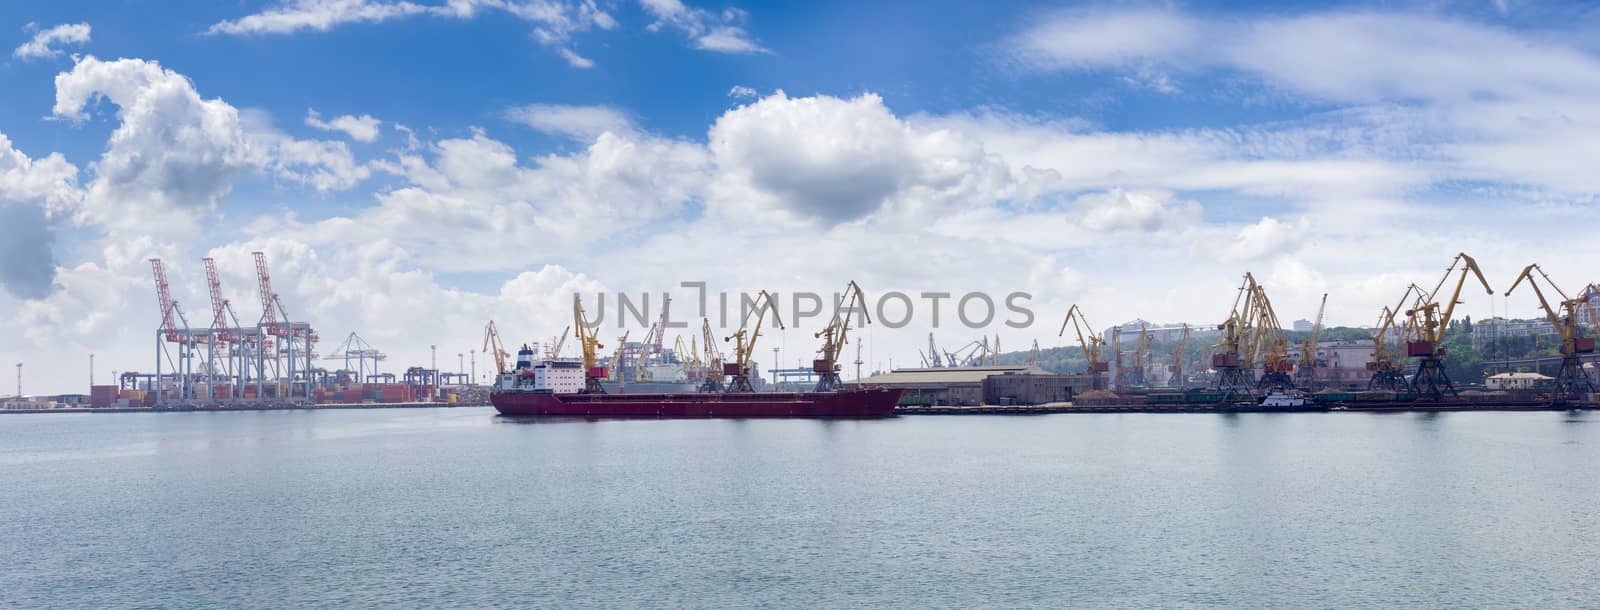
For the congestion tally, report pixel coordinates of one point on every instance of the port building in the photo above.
(975, 385)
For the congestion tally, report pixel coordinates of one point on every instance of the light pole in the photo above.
(461, 363)
(472, 359)
(91, 370)
(775, 367)
(19, 380)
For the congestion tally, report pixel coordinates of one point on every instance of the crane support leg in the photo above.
(1431, 379)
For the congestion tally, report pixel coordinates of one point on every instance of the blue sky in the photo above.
(476, 159)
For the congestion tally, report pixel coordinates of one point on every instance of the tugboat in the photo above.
(1279, 400)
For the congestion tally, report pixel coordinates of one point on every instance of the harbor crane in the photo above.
(1233, 356)
(491, 340)
(1135, 375)
(1179, 352)
(1429, 323)
(1033, 354)
(590, 345)
(1251, 337)
(1305, 375)
(713, 359)
(175, 329)
(556, 343)
(616, 362)
(1571, 381)
(932, 360)
(1091, 343)
(1388, 364)
(836, 334)
(1271, 345)
(357, 349)
(744, 343)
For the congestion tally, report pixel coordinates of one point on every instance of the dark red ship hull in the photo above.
(867, 402)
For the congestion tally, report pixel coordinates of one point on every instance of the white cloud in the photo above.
(1136, 211)
(574, 59)
(578, 122)
(174, 151)
(835, 160)
(708, 31)
(1334, 56)
(362, 128)
(1267, 237)
(51, 180)
(319, 15)
(553, 21)
(43, 43)
(741, 91)
(1099, 39)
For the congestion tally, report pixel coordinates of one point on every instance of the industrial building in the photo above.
(974, 385)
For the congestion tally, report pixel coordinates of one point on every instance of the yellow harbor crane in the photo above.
(1571, 381)
(618, 375)
(1271, 346)
(744, 343)
(688, 355)
(1388, 363)
(1233, 356)
(491, 340)
(1429, 323)
(1137, 375)
(1251, 337)
(713, 359)
(1305, 375)
(1176, 378)
(590, 344)
(836, 334)
(1091, 343)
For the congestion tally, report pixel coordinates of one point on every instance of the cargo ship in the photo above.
(863, 402)
(559, 388)
(575, 388)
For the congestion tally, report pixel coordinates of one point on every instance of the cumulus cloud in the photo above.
(1136, 211)
(741, 91)
(362, 128)
(174, 150)
(50, 181)
(553, 21)
(708, 31)
(836, 160)
(44, 41)
(1269, 236)
(577, 122)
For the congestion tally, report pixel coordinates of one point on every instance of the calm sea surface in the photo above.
(462, 508)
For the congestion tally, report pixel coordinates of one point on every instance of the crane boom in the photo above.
(590, 345)
(1305, 371)
(491, 340)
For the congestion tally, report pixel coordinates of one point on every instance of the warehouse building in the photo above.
(974, 385)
